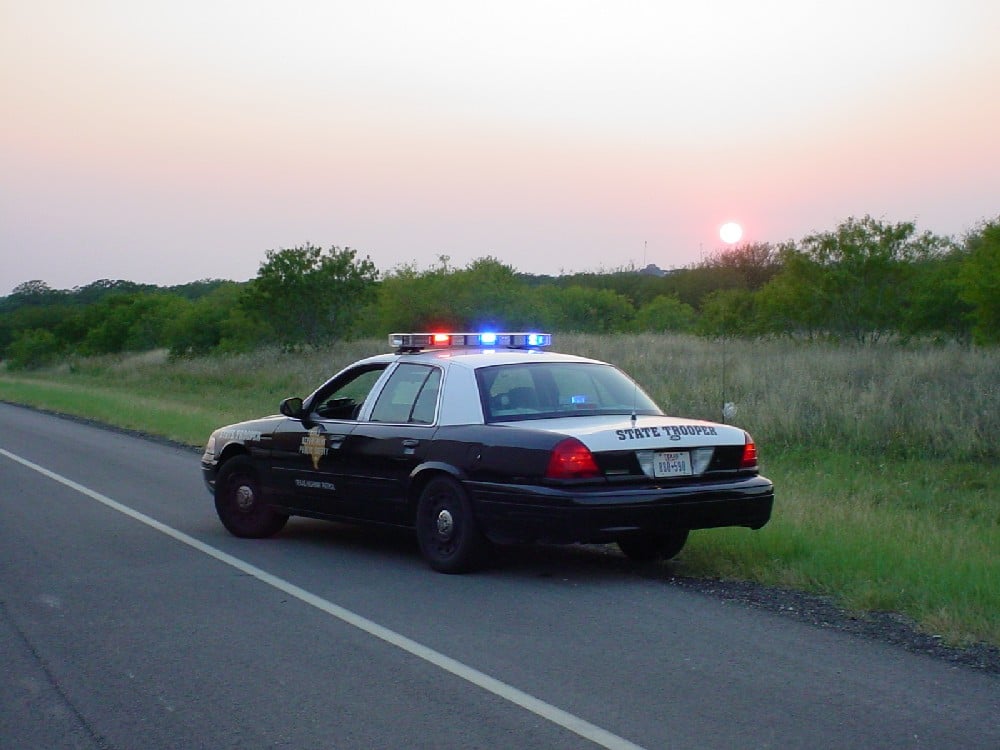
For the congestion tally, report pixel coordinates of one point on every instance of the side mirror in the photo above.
(292, 407)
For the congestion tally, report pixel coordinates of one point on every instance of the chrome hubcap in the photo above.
(445, 524)
(244, 497)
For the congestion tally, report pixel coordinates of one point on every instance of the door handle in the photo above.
(411, 443)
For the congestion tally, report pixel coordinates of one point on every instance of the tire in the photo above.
(650, 547)
(239, 503)
(449, 537)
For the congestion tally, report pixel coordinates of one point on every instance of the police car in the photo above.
(480, 438)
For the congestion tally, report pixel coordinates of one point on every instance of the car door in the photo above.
(307, 454)
(380, 453)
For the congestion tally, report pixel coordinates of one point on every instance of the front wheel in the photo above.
(649, 547)
(449, 538)
(239, 503)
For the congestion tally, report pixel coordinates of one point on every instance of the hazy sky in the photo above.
(165, 142)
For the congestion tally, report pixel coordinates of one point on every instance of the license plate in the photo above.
(672, 464)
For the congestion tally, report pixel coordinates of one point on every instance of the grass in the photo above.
(910, 536)
(884, 458)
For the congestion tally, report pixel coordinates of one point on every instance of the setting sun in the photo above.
(730, 232)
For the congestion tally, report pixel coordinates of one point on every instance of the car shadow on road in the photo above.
(398, 545)
(606, 565)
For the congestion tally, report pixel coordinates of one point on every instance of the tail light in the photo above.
(749, 459)
(571, 459)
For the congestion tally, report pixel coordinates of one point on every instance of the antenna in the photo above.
(724, 404)
(728, 407)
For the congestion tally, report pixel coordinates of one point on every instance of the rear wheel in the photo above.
(449, 538)
(239, 503)
(649, 547)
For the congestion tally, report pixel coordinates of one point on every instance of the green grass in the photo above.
(883, 458)
(910, 536)
(175, 419)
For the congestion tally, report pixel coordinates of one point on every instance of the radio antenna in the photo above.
(724, 404)
(728, 407)
(635, 399)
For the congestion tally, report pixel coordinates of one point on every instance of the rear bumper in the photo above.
(532, 513)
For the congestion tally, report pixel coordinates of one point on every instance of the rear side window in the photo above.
(559, 389)
(409, 396)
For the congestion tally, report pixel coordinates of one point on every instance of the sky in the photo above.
(167, 142)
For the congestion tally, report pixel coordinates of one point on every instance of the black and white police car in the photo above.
(473, 438)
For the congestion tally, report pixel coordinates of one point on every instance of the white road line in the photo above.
(501, 689)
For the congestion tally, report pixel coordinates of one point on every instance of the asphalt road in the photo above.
(130, 619)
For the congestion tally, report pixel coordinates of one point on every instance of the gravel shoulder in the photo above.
(823, 612)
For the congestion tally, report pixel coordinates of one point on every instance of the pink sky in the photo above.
(169, 142)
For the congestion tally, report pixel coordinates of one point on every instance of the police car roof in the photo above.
(476, 357)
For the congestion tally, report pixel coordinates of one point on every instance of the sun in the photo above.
(730, 232)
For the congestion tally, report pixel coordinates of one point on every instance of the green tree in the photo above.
(665, 313)
(215, 321)
(98, 290)
(749, 266)
(33, 349)
(485, 294)
(488, 294)
(409, 299)
(579, 309)
(789, 303)
(979, 281)
(853, 282)
(55, 317)
(33, 292)
(934, 307)
(728, 312)
(129, 322)
(306, 295)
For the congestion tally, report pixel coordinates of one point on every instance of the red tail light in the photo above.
(571, 459)
(749, 460)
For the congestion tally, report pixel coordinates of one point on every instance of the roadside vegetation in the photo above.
(863, 282)
(886, 475)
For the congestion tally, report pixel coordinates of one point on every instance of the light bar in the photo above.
(448, 340)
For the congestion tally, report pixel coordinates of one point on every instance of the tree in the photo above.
(789, 303)
(934, 307)
(853, 282)
(979, 281)
(129, 322)
(409, 299)
(578, 309)
(33, 349)
(665, 313)
(753, 264)
(33, 292)
(214, 322)
(485, 294)
(488, 294)
(306, 295)
(728, 312)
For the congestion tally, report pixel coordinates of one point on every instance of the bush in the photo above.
(665, 314)
(33, 349)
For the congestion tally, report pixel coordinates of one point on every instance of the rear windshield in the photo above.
(539, 390)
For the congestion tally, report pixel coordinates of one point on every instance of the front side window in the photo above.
(538, 390)
(409, 396)
(343, 397)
